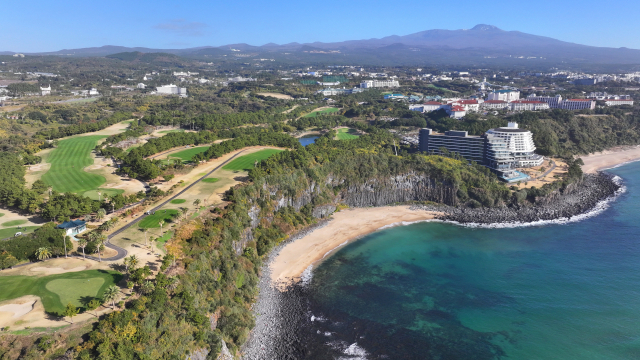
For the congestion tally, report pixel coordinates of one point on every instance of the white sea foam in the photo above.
(330, 251)
(306, 276)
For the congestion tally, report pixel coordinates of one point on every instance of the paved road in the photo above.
(122, 252)
(553, 166)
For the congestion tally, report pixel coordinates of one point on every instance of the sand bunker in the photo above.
(17, 308)
(57, 270)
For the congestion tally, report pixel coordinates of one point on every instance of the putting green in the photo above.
(152, 221)
(15, 223)
(346, 134)
(247, 162)
(68, 161)
(93, 194)
(10, 232)
(210, 180)
(188, 154)
(178, 201)
(74, 290)
(75, 287)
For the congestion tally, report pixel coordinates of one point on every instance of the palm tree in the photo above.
(131, 262)
(184, 211)
(99, 249)
(101, 214)
(196, 202)
(111, 294)
(82, 243)
(161, 222)
(43, 253)
(145, 235)
(66, 238)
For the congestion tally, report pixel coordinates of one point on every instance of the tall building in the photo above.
(469, 147)
(366, 84)
(504, 95)
(578, 104)
(553, 101)
(520, 144)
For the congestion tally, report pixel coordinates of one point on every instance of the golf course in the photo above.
(247, 162)
(188, 154)
(322, 112)
(346, 134)
(68, 161)
(56, 291)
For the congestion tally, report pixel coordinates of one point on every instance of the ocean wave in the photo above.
(330, 251)
(306, 276)
(620, 165)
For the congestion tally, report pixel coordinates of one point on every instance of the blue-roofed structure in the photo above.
(73, 227)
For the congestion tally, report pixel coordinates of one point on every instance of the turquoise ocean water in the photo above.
(436, 290)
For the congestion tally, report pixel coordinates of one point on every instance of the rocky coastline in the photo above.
(285, 326)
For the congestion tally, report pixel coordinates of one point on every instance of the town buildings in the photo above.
(578, 104)
(528, 105)
(504, 95)
(367, 84)
(45, 90)
(613, 102)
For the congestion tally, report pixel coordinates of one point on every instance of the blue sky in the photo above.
(39, 25)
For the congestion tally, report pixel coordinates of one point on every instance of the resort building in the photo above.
(366, 84)
(469, 147)
(504, 95)
(46, 90)
(73, 227)
(503, 150)
(578, 104)
(494, 105)
(528, 105)
(553, 101)
(172, 90)
(456, 111)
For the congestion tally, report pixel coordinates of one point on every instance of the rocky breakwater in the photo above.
(576, 199)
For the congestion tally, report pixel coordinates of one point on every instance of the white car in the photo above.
(17, 234)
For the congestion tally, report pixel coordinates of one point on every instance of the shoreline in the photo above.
(343, 227)
(610, 158)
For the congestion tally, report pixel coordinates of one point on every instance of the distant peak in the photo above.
(483, 27)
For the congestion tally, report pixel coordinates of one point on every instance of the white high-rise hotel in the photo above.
(520, 144)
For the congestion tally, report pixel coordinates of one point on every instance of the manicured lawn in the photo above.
(170, 131)
(163, 239)
(56, 291)
(6, 233)
(247, 162)
(93, 194)
(152, 221)
(188, 154)
(178, 201)
(14, 223)
(322, 112)
(1, 214)
(346, 134)
(68, 161)
(210, 180)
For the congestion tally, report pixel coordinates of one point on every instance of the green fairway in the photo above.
(15, 223)
(56, 291)
(170, 131)
(210, 180)
(93, 194)
(163, 239)
(68, 161)
(188, 154)
(178, 201)
(152, 221)
(10, 232)
(346, 134)
(247, 162)
(322, 112)
(1, 214)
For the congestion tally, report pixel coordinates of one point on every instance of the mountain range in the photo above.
(476, 45)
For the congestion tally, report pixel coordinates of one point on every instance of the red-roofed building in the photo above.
(468, 105)
(456, 111)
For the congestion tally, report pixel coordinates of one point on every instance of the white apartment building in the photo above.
(141, 86)
(520, 144)
(554, 102)
(456, 111)
(494, 104)
(504, 95)
(171, 90)
(528, 105)
(469, 105)
(366, 84)
(46, 90)
(613, 102)
(578, 104)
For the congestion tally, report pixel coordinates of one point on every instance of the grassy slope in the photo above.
(6, 233)
(187, 155)
(68, 161)
(75, 287)
(346, 134)
(320, 112)
(247, 162)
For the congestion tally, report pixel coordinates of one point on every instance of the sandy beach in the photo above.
(344, 226)
(610, 158)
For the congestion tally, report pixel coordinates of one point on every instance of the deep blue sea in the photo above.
(443, 291)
